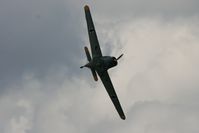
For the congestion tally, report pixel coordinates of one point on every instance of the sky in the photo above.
(42, 89)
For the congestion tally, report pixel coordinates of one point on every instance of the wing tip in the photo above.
(86, 8)
(95, 78)
(86, 49)
(123, 117)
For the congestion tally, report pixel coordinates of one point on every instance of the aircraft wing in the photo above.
(95, 48)
(112, 94)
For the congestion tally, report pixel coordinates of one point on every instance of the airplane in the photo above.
(100, 64)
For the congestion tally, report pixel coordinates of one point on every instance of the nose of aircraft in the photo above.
(114, 61)
(114, 58)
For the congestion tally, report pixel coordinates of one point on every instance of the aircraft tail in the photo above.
(89, 59)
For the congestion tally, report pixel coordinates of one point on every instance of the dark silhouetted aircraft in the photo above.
(99, 63)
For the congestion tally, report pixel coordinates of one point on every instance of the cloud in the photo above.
(161, 55)
(38, 36)
(43, 90)
(160, 117)
(136, 8)
(156, 82)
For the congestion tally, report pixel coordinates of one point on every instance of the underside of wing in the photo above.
(95, 48)
(111, 91)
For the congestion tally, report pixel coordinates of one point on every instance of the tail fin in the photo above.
(89, 59)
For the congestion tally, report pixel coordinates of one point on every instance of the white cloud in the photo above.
(156, 82)
(160, 58)
(155, 117)
(136, 8)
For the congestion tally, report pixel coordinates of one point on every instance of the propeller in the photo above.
(119, 56)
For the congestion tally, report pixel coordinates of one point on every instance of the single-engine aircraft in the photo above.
(100, 64)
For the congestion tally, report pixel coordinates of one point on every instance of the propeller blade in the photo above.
(120, 56)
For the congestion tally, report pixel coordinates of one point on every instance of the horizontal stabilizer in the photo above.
(94, 74)
(87, 65)
(87, 54)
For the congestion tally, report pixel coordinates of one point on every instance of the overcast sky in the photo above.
(42, 89)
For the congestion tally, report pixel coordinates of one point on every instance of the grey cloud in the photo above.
(156, 80)
(67, 110)
(38, 36)
(155, 117)
(161, 56)
(129, 8)
(160, 117)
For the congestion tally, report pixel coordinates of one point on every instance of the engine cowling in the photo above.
(109, 62)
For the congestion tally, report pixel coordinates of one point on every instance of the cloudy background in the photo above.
(42, 89)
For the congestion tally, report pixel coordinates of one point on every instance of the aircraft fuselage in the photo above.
(102, 63)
